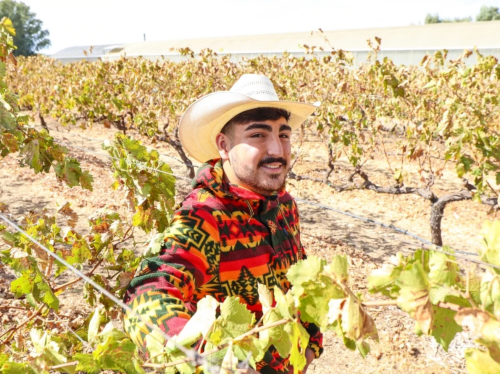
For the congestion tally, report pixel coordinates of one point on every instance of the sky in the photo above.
(93, 22)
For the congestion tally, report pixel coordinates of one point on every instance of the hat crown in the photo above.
(256, 86)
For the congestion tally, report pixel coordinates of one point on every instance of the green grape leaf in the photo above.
(71, 173)
(479, 362)
(135, 148)
(338, 268)
(363, 348)
(312, 290)
(444, 327)
(284, 303)
(300, 339)
(31, 153)
(24, 284)
(305, 270)
(249, 344)
(16, 368)
(414, 295)
(235, 319)
(350, 322)
(276, 336)
(356, 323)
(314, 297)
(116, 355)
(383, 280)
(80, 251)
(155, 344)
(3, 359)
(47, 296)
(490, 292)
(337, 328)
(442, 273)
(475, 287)
(87, 363)
(491, 251)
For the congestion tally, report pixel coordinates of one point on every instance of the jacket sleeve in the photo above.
(162, 290)
(316, 338)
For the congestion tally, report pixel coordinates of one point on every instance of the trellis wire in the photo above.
(162, 154)
(191, 353)
(115, 158)
(406, 232)
(402, 231)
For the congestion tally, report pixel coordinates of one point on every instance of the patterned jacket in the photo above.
(223, 241)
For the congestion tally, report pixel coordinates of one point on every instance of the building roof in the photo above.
(78, 51)
(416, 37)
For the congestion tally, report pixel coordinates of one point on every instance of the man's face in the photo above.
(256, 155)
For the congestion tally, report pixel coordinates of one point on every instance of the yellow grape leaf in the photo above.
(69, 214)
(7, 23)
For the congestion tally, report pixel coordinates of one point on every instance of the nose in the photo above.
(274, 146)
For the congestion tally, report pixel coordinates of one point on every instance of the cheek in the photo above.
(246, 154)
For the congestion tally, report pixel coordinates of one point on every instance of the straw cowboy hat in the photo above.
(204, 119)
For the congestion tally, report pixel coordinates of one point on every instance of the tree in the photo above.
(30, 37)
(434, 18)
(488, 13)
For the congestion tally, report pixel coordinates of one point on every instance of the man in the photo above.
(238, 227)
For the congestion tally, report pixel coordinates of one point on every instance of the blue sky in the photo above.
(93, 22)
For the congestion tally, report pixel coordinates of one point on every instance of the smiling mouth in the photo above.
(273, 166)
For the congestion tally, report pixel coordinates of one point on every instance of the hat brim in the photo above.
(204, 119)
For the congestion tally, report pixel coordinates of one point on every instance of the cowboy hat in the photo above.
(206, 117)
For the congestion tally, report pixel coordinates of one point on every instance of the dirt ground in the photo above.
(324, 233)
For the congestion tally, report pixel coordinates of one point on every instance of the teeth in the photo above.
(272, 166)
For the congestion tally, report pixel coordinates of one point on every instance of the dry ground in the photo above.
(324, 233)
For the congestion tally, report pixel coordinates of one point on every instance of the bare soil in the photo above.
(324, 233)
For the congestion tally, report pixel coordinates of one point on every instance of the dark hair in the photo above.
(255, 115)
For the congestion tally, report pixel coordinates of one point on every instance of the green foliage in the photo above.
(429, 286)
(148, 180)
(114, 351)
(480, 362)
(29, 36)
(488, 13)
(434, 18)
(37, 150)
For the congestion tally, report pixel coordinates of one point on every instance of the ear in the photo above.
(223, 146)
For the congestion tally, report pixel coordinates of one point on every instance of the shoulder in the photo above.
(200, 202)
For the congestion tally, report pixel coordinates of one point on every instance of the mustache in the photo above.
(271, 160)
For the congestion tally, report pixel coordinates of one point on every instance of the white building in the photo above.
(404, 45)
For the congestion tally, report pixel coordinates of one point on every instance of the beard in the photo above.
(258, 179)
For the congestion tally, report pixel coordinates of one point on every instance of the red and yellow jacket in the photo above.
(222, 242)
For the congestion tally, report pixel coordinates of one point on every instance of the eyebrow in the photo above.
(263, 126)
